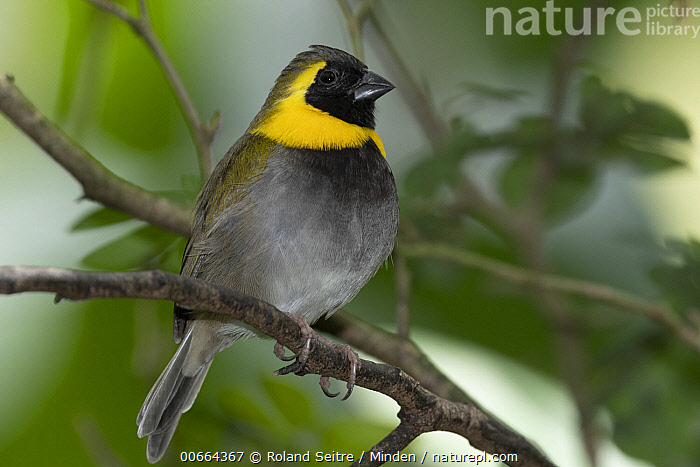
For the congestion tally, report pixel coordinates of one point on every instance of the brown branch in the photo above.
(202, 133)
(421, 410)
(99, 184)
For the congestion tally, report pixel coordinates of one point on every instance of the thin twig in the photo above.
(202, 133)
(99, 184)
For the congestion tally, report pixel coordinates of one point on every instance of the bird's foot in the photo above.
(301, 354)
(354, 360)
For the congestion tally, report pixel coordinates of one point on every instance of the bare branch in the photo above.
(202, 133)
(99, 184)
(421, 410)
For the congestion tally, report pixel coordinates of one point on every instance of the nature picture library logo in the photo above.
(663, 19)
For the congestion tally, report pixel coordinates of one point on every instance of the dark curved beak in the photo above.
(372, 87)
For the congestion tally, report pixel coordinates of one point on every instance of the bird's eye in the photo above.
(327, 77)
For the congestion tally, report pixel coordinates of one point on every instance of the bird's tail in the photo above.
(173, 394)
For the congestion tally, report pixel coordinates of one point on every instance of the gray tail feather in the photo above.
(171, 396)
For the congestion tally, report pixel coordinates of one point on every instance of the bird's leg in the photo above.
(302, 354)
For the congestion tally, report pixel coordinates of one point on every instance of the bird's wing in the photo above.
(226, 186)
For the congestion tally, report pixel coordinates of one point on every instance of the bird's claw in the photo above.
(354, 361)
(279, 353)
(301, 355)
(325, 383)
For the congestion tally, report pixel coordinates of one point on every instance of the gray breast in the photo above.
(310, 232)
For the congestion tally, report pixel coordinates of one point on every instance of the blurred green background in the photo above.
(619, 209)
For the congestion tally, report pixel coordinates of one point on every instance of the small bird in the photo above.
(301, 212)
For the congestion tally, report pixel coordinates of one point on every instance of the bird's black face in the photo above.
(347, 92)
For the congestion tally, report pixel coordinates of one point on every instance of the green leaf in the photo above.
(439, 169)
(570, 192)
(146, 248)
(429, 175)
(601, 111)
(619, 125)
(83, 19)
(679, 276)
(139, 108)
(293, 404)
(653, 118)
(609, 114)
(238, 406)
(352, 436)
(184, 197)
(100, 217)
(646, 154)
(191, 184)
(530, 133)
(664, 381)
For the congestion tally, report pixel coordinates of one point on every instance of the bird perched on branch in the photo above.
(300, 213)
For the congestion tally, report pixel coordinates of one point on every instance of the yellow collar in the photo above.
(294, 123)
